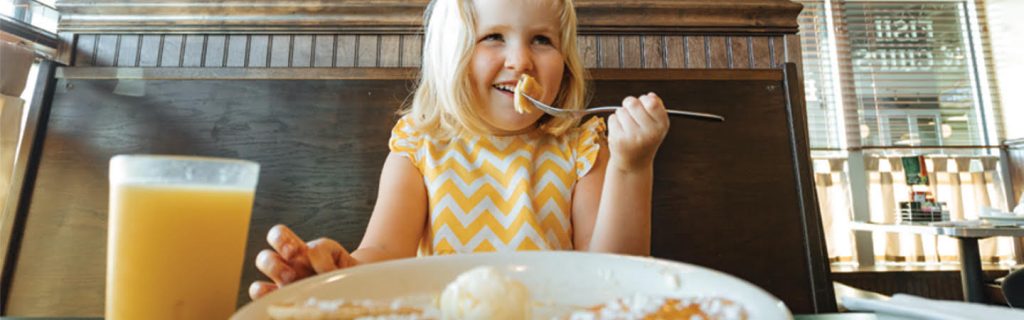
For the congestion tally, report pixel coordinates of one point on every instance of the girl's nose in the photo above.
(518, 58)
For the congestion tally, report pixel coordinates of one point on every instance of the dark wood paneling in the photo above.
(367, 50)
(654, 51)
(632, 52)
(675, 49)
(718, 49)
(383, 17)
(726, 195)
(149, 54)
(85, 49)
(216, 46)
(346, 51)
(588, 51)
(389, 51)
(792, 51)
(696, 52)
(323, 51)
(609, 52)
(762, 53)
(741, 53)
(711, 193)
(320, 144)
(302, 51)
(777, 50)
(106, 50)
(280, 50)
(170, 52)
(195, 46)
(237, 50)
(412, 49)
(128, 50)
(259, 56)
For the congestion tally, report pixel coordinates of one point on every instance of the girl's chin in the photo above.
(515, 122)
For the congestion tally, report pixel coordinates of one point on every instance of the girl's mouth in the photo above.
(508, 90)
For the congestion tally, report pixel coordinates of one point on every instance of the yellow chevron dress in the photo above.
(499, 193)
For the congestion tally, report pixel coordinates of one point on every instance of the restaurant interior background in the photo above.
(883, 80)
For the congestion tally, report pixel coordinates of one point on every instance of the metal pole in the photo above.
(970, 270)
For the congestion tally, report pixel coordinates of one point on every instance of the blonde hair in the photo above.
(443, 103)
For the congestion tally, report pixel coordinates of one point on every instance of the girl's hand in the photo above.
(635, 131)
(291, 259)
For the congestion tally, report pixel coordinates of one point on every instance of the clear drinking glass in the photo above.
(176, 235)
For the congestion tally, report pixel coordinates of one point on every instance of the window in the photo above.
(895, 73)
(913, 73)
(821, 81)
(40, 14)
(885, 79)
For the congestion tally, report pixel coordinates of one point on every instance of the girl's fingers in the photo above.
(285, 242)
(613, 124)
(325, 255)
(260, 288)
(275, 268)
(638, 112)
(626, 115)
(654, 106)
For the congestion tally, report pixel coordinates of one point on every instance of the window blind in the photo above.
(907, 73)
(820, 81)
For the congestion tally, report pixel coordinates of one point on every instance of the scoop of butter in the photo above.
(485, 293)
(528, 86)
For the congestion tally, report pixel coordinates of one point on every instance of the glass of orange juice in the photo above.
(176, 235)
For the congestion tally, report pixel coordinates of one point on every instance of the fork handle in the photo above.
(699, 115)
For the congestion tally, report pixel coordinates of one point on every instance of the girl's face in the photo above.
(515, 37)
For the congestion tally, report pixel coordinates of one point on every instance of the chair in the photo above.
(1013, 288)
(736, 196)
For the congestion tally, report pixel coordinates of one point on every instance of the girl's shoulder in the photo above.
(589, 132)
(406, 137)
(587, 140)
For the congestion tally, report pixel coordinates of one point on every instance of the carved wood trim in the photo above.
(395, 16)
(404, 50)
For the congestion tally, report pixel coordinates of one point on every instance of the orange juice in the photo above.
(175, 251)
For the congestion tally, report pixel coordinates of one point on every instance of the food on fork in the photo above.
(649, 307)
(316, 309)
(526, 86)
(485, 293)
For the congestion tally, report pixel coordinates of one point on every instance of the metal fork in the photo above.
(558, 112)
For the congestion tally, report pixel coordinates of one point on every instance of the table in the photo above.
(970, 259)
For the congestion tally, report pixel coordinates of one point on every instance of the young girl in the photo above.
(467, 173)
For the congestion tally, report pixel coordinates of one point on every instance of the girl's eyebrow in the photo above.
(547, 29)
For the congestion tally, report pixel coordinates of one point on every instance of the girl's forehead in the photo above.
(539, 13)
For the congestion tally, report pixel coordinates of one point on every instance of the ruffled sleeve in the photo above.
(589, 137)
(405, 140)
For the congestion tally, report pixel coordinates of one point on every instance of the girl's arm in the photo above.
(394, 232)
(612, 204)
(400, 215)
(586, 200)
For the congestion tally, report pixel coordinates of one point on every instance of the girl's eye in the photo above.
(493, 37)
(543, 40)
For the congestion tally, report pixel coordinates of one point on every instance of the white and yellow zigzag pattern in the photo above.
(499, 193)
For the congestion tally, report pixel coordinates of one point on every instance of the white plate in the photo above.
(557, 277)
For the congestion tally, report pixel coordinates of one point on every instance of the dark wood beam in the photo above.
(394, 16)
